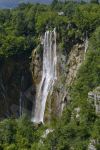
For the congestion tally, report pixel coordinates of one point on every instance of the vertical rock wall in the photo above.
(11, 72)
(67, 67)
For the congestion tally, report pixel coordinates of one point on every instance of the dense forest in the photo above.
(20, 32)
(21, 27)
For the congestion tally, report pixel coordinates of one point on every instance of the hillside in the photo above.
(50, 77)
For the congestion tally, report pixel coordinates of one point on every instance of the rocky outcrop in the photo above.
(36, 64)
(75, 59)
(94, 98)
(67, 68)
(92, 145)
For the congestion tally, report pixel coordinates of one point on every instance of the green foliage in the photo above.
(95, 1)
(20, 28)
(10, 147)
(89, 71)
(7, 131)
(19, 134)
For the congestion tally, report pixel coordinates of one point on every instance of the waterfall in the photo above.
(20, 104)
(21, 97)
(49, 74)
(86, 43)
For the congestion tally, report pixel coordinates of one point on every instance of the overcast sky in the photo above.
(13, 3)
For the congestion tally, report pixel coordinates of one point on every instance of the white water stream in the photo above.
(49, 74)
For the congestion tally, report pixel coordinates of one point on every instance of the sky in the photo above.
(14, 3)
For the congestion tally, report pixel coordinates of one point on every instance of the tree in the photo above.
(54, 3)
(95, 1)
(20, 23)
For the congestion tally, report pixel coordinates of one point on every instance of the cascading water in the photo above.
(49, 74)
(21, 96)
(86, 43)
(20, 104)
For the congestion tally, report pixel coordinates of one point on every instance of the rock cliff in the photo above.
(12, 71)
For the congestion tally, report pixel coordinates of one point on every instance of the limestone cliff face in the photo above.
(36, 64)
(36, 70)
(12, 70)
(67, 67)
(75, 59)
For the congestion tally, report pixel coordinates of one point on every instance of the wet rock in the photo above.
(10, 85)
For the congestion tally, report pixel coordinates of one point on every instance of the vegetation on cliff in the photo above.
(20, 27)
(20, 31)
